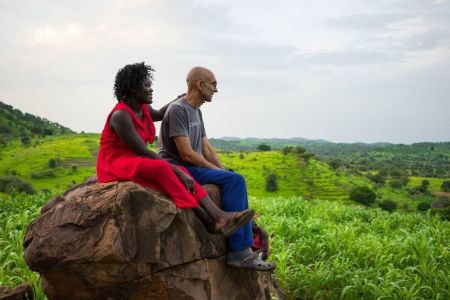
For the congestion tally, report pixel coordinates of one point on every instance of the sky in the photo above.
(341, 70)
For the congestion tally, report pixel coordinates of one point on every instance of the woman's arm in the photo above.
(122, 124)
(158, 114)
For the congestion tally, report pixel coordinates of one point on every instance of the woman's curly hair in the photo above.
(129, 78)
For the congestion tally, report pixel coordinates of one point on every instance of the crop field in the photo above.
(327, 250)
(323, 249)
(16, 212)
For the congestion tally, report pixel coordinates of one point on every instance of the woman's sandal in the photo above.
(236, 222)
(253, 261)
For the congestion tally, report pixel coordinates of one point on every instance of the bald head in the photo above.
(202, 85)
(199, 74)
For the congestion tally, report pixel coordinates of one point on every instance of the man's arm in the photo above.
(158, 114)
(209, 153)
(188, 154)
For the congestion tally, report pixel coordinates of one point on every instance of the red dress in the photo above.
(117, 162)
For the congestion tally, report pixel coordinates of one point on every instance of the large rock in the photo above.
(123, 241)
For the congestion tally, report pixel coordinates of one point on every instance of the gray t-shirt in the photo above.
(181, 119)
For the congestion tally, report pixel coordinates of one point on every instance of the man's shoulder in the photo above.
(176, 108)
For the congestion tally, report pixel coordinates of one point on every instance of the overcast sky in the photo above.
(345, 71)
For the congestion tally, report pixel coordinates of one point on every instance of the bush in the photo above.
(271, 182)
(363, 195)
(388, 205)
(423, 206)
(264, 147)
(399, 182)
(9, 184)
(52, 163)
(286, 150)
(445, 186)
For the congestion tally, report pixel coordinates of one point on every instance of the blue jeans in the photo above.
(233, 198)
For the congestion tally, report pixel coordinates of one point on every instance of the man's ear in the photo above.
(199, 85)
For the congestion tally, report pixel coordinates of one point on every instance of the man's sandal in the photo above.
(253, 261)
(236, 222)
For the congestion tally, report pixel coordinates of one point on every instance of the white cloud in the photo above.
(324, 69)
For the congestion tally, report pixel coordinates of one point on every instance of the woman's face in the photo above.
(144, 94)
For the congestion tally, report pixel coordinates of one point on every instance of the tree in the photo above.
(299, 150)
(264, 147)
(425, 183)
(445, 186)
(286, 150)
(363, 195)
(272, 182)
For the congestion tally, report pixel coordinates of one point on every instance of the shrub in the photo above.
(286, 150)
(264, 147)
(388, 205)
(445, 186)
(423, 206)
(9, 184)
(399, 182)
(363, 195)
(271, 182)
(52, 163)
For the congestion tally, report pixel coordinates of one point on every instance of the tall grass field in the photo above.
(324, 250)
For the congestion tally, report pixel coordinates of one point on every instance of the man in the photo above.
(183, 140)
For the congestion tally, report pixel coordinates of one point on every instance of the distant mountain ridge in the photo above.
(15, 124)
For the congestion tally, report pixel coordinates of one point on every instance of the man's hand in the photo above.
(186, 180)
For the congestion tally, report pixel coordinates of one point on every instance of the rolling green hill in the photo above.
(74, 160)
(58, 162)
(14, 125)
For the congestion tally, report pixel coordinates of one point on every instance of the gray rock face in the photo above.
(123, 241)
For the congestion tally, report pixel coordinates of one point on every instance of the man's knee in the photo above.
(238, 178)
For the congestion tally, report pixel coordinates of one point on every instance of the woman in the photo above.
(124, 155)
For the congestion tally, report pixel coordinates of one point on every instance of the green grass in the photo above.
(16, 212)
(435, 183)
(313, 179)
(75, 156)
(328, 250)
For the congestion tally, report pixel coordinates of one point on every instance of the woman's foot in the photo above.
(232, 221)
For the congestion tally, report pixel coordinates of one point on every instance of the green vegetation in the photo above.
(363, 195)
(328, 250)
(271, 182)
(55, 162)
(16, 212)
(14, 124)
(326, 246)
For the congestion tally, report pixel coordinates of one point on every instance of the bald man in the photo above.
(183, 141)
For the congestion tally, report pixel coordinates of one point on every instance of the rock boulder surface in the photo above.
(123, 241)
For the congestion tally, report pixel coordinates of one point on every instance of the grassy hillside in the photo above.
(14, 125)
(74, 156)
